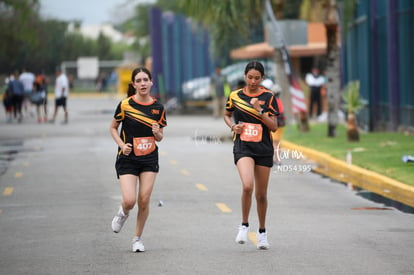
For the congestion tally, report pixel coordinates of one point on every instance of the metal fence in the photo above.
(378, 52)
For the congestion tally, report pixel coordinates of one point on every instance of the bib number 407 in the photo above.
(144, 146)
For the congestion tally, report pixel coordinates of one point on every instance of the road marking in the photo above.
(173, 161)
(18, 175)
(185, 172)
(201, 187)
(223, 207)
(252, 237)
(8, 191)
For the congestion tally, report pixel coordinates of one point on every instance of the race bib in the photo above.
(143, 145)
(251, 132)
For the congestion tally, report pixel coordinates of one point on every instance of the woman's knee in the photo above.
(129, 203)
(248, 189)
(261, 198)
(143, 202)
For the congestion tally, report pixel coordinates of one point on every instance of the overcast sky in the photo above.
(89, 11)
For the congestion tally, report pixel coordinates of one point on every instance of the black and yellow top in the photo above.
(256, 139)
(137, 119)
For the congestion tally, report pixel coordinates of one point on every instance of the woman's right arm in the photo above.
(237, 128)
(113, 129)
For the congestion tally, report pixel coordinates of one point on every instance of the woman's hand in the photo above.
(237, 128)
(157, 131)
(155, 128)
(255, 103)
(126, 149)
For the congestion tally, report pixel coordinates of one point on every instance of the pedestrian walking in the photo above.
(61, 95)
(28, 79)
(8, 106)
(40, 97)
(15, 89)
(143, 119)
(315, 81)
(251, 115)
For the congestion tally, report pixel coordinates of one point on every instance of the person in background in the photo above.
(143, 119)
(315, 81)
(251, 116)
(61, 95)
(27, 78)
(281, 121)
(16, 90)
(40, 87)
(7, 102)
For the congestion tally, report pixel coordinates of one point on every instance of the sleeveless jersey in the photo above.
(256, 139)
(137, 119)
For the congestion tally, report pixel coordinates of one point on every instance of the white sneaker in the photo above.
(242, 235)
(137, 245)
(119, 220)
(262, 242)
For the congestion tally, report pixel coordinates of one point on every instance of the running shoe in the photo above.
(137, 245)
(119, 220)
(262, 242)
(242, 235)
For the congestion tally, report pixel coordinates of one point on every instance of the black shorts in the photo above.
(61, 101)
(126, 166)
(258, 160)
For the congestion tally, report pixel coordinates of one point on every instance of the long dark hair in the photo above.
(131, 90)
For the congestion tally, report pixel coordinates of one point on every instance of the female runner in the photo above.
(142, 118)
(251, 115)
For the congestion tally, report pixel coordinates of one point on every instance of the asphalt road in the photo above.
(59, 192)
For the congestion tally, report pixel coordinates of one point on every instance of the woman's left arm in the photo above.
(269, 120)
(157, 131)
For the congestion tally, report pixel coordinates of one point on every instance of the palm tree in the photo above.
(229, 22)
(332, 64)
(352, 105)
(327, 11)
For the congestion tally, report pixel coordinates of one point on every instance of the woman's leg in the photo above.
(146, 184)
(129, 190)
(262, 174)
(245, 166)
(39, 118)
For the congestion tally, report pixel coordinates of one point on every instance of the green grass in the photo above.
(380, 152)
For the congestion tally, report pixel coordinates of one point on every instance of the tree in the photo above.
(327, 11)
(138, 25)
(17, 27)
(229, 22)
(103, 47)
(331, 21)
(352, 105)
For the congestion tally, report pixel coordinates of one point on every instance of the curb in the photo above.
(357, 176)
